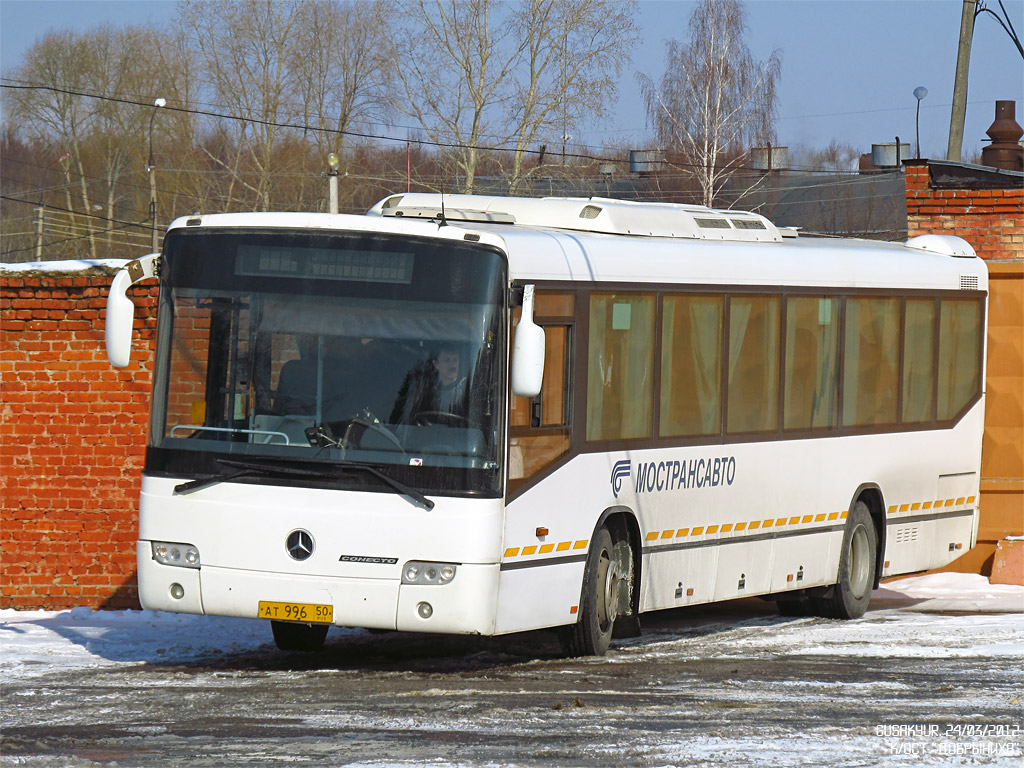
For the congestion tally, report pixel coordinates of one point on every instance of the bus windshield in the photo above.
(331, 348)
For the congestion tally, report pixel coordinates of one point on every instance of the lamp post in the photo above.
(150, 167)
(919, 93)
(333, 163)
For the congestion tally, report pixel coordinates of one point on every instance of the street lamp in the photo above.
(150, 167)
(333, 163)
(919, 93)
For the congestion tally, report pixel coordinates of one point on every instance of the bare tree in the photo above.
(714, 100)
(574, 50)
(342, 67)
(246, 50)
(453, 77)
(478, 75)
(98, 141)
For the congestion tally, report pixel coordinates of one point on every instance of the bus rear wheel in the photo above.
(298, 637)
(607, 591)
(857, 562)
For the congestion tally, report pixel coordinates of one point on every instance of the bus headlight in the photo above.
(181, 555)
(417, 572)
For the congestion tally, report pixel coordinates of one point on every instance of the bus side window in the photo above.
(539, 426)
(871, 373)
(620, 366)
(960, 330)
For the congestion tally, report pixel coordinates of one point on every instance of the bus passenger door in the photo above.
(539, 427)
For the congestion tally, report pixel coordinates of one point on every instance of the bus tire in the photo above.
(607, 589)
(298, 637)
(850, 596)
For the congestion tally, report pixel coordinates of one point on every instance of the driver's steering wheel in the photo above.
(444, 418)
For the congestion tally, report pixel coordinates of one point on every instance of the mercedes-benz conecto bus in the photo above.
(487, 415)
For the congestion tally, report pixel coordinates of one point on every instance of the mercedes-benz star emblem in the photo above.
(299, 544)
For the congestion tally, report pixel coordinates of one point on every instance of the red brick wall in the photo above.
(992, 220)
(72, 436)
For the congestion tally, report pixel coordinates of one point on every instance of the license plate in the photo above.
(309, 612)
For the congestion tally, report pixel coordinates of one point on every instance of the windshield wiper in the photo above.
(402, 488)
(246, 468)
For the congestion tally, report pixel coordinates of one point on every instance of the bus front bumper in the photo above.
(466, 605)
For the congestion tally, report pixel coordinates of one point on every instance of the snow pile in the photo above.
(953, 592)
(73, 265)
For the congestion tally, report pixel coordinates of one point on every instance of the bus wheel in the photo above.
(850, 596)
(298, 637)
(607, 589)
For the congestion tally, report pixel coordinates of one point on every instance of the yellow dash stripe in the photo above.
(904, 507)
(770, 523)
(842, 515)
(808, 518)
(960, 501)
(926, 505)
(581, 544)
(563, 545)
(950, 502)
(652, 536)
(755, 524)
(697, 531)
(530, 549)
(916, 505)
(819, 518)
(833, 515)
(892, 510)
(667, 534)
(793, 520)
(970, 499)
(741, 526)
(727, 527)
(511, 551)
(546, 548)
(683, 532)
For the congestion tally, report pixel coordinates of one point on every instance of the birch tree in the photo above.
(573, 52)
(477, 75)
(714, 100)
(246, 51)
(452, 67)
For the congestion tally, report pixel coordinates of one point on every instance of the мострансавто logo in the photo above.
(619, 471)
(674, 475)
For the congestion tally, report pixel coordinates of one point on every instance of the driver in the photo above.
(451, 390)
(433, 386)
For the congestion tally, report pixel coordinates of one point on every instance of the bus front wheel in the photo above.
(607, 590)
(850, 596)
(298, 637)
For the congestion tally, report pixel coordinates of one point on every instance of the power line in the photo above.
(79, 213)
(294, 126)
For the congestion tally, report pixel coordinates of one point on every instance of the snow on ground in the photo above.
(908, 618)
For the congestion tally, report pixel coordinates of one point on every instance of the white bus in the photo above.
(488, 415)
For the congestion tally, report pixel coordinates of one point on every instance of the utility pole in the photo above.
(963, 64)
(333, 163)
(150, 167)
(39, 233)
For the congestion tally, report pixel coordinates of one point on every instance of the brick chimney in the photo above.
(1005, 151)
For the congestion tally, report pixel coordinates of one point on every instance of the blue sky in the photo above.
(849, 66)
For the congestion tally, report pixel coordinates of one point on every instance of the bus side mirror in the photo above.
(121, 311)
(527, 351)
